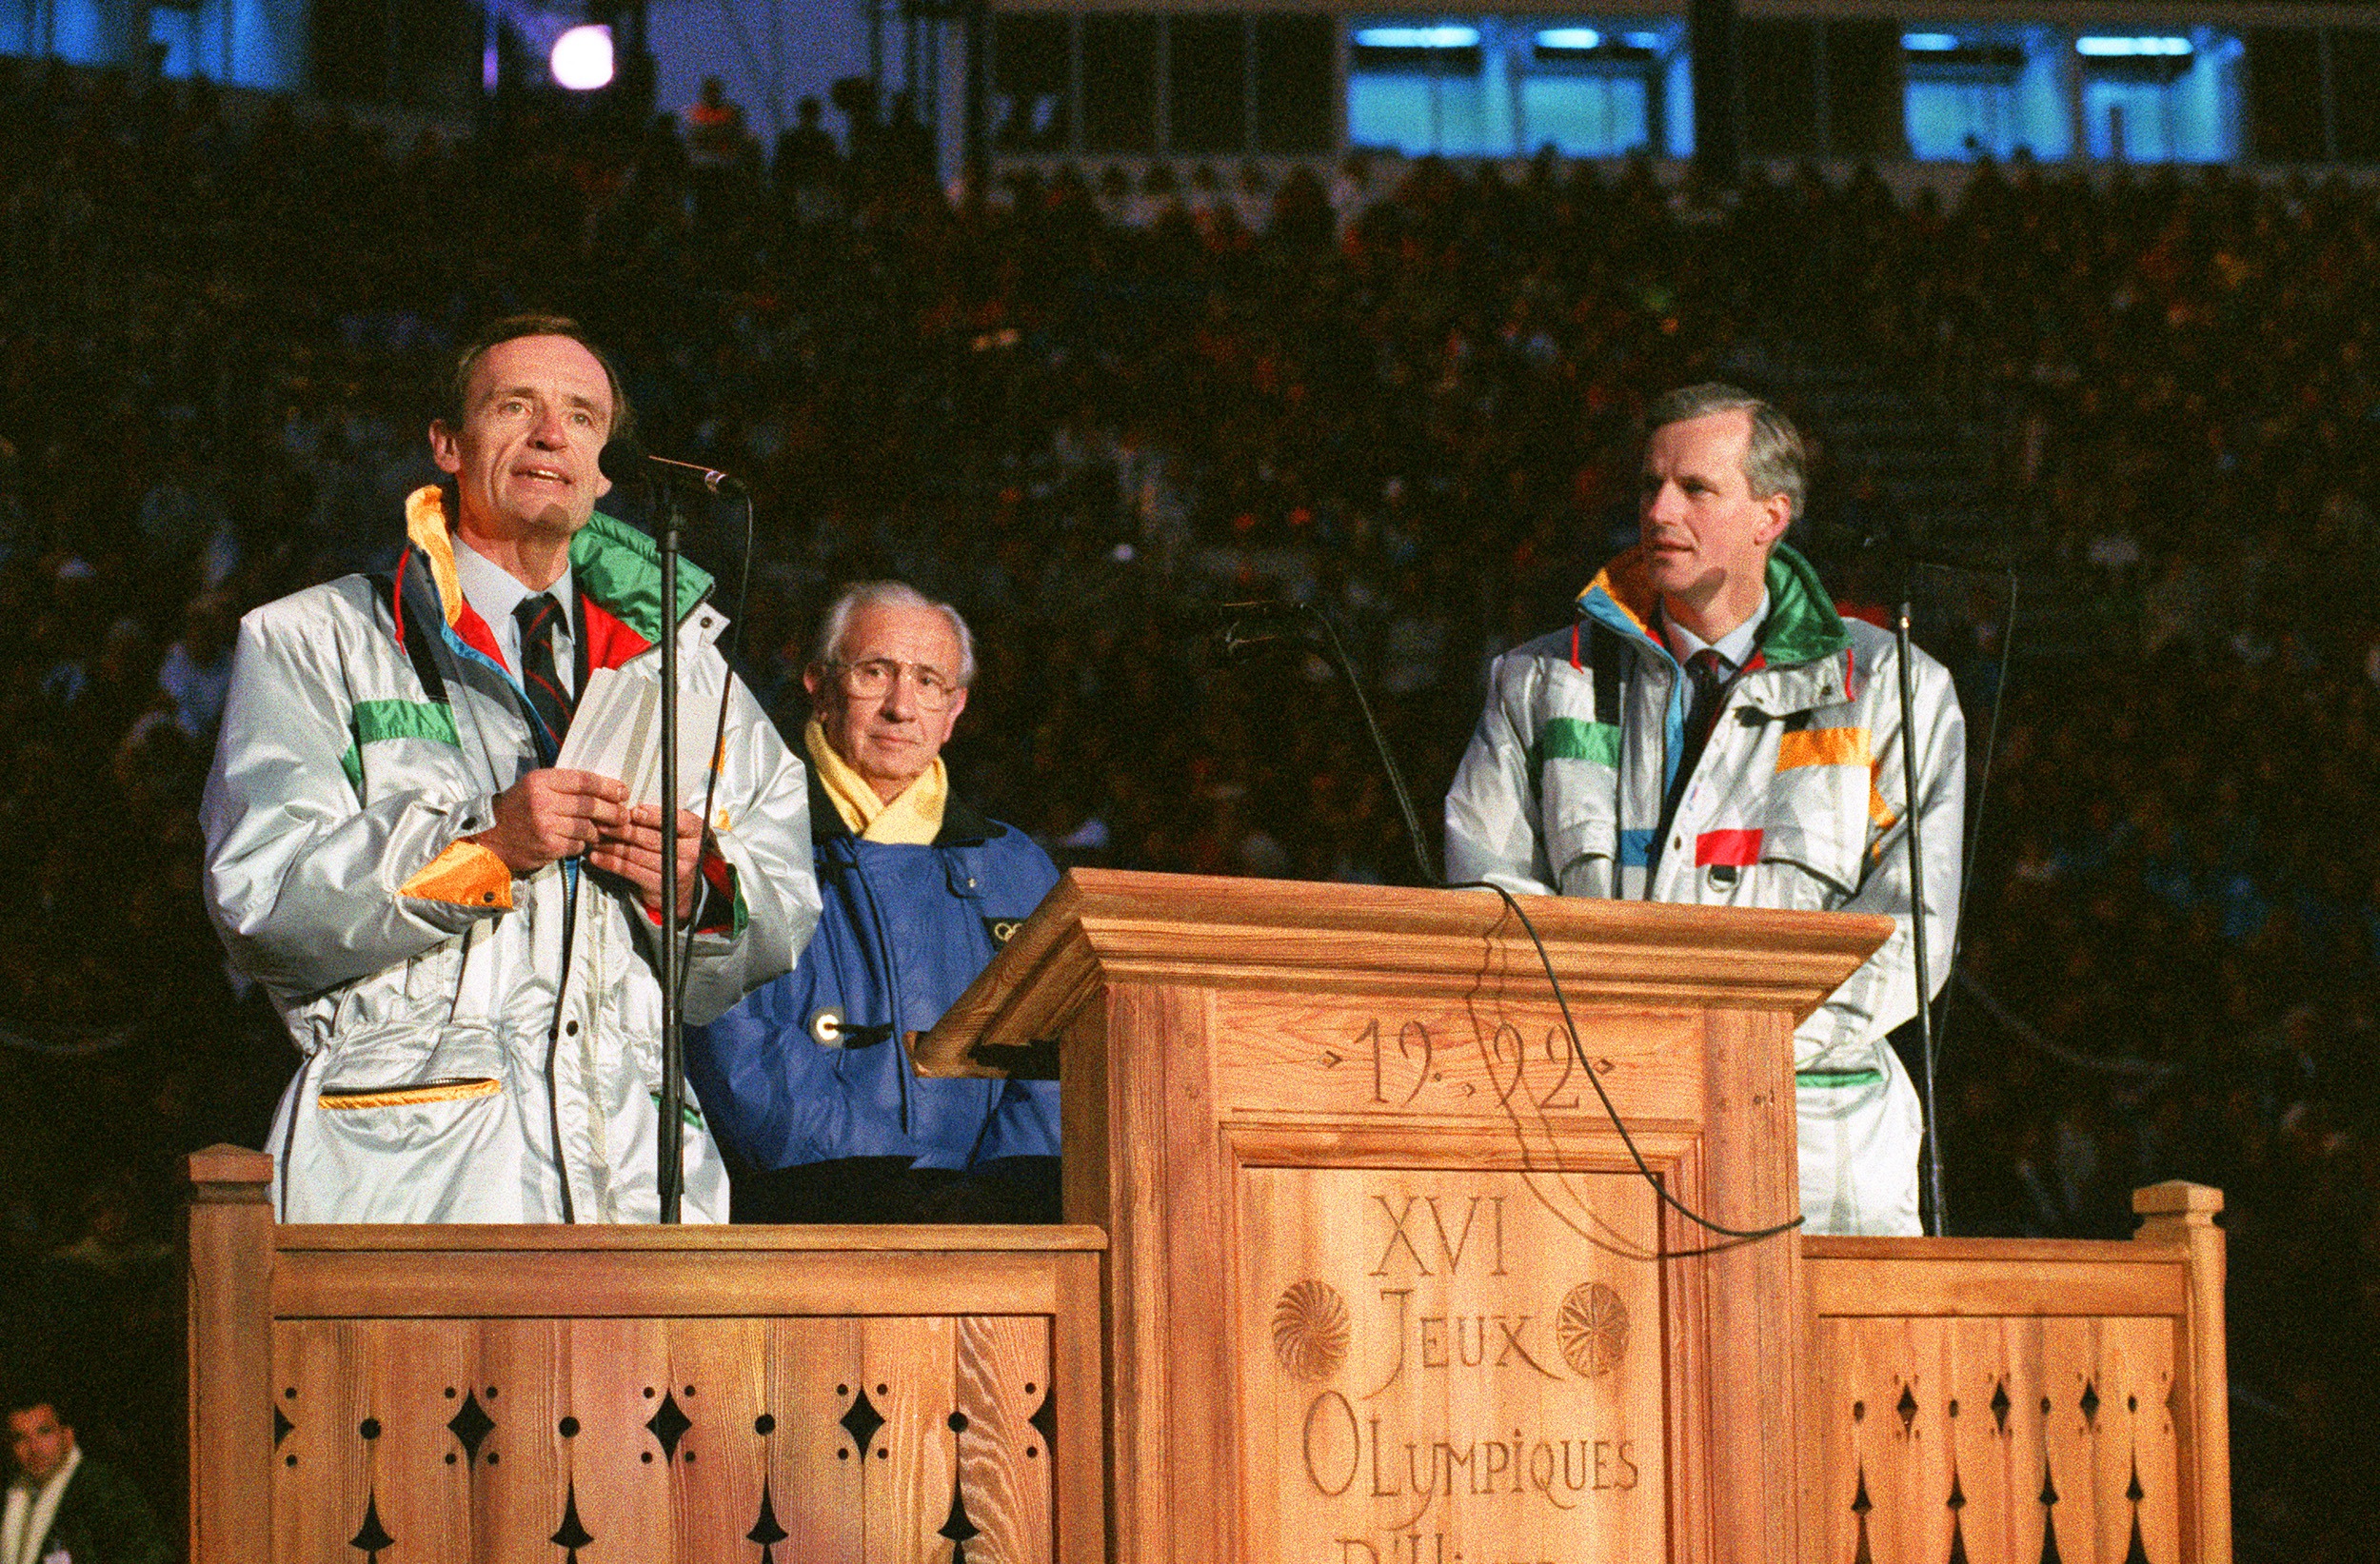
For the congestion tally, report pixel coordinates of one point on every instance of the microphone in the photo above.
(1899, 550)
(1238, 625)
(626, 461)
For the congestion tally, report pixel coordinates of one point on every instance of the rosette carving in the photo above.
(1591, 1329)
(1310, 1330)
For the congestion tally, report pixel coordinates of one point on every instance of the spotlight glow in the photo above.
(581, 58)
(1570, 38)
(1929, 42)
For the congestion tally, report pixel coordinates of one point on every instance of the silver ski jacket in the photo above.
(475, 1047)
(1796, 802)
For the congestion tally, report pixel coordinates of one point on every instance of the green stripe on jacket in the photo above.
(1575, 738)
(376, 720)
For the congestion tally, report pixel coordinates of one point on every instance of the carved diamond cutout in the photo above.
(571, 1533)
(2000, 1404)
(1045, 1418)
(957, 1527)
(471, 1425)
(861, 1422)
(1860, 1503)
(2133, 1491)
(668, 1426)
(1958, 1495)
(2091, 1403)
(371, 1536)
(765, 1531)
(1907, 1407)
(2049, 1520)
(282, 1428)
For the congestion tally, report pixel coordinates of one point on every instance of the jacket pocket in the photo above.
(457, 1090)
(1577, 801)
(1814, 864)
(1818, 815)
(394, 1093)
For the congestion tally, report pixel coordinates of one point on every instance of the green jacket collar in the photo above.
(620, 568)
(1802, 625)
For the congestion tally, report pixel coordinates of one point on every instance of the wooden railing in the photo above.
(452, 1393)
(2020, 1399)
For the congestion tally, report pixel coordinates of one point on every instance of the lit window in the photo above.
(2131, 49)
(1440, 37)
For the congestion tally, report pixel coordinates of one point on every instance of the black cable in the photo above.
(1380, 744)
(1258, 613)
(1430, 878)
(1936, 1022)
(719, 733)
(1983, 790)
(1739, 1234)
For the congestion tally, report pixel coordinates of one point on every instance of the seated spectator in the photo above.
(62, 1505)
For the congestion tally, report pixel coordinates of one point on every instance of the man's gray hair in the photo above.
(1773, 460)
(890, 594)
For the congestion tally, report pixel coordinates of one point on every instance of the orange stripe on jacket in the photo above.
(1822, 746)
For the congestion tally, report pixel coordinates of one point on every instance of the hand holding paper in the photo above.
(633, 852)
(616, 732)
(553, 814)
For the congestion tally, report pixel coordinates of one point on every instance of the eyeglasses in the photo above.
(874, 679)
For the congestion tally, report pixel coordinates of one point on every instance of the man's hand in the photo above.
(553, 814)
(632, 851)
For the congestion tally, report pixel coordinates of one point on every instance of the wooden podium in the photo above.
(1384, 1284)
(1358, 1271)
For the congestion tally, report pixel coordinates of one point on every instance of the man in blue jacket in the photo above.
(805, 1083)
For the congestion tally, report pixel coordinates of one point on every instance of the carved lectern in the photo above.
(1385, 1284)
(1364, 1264)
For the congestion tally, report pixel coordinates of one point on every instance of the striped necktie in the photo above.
(548, 701)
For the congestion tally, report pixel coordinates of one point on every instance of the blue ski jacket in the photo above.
(810, 1067)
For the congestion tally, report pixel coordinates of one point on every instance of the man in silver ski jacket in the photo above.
(459, 936)
(1711, 731)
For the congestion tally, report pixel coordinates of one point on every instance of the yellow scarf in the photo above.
(912, 820)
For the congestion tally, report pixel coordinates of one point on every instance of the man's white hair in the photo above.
(889, 594)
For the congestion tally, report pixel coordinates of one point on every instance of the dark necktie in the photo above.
(1707, 671)
(548, 701)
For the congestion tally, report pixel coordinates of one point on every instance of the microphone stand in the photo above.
(1236, 616)
(1918, 895)
(672, 1144)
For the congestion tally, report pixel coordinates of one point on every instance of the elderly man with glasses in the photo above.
(805, 1083)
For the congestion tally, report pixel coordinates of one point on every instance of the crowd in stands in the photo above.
(1093, 400)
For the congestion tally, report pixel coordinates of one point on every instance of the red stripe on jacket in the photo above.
(1739, 848)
